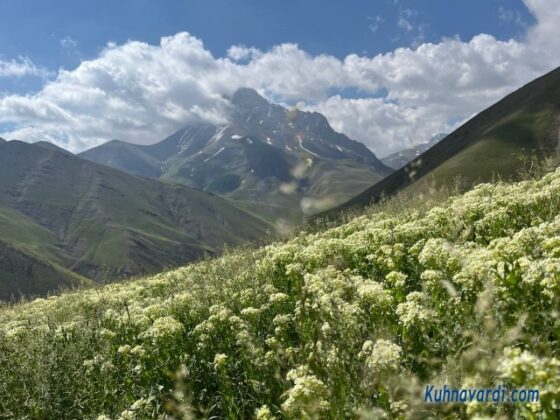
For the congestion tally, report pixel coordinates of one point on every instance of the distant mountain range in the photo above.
(64, 220)
(121, 209)
(399, 159)
(276, 162)
(493, 144)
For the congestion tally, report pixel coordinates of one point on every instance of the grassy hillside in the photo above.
(103, 224)
(348, 322)
(23, 273)
(496, 142)
(31, 262)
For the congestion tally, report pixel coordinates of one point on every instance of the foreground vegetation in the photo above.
(347, 322)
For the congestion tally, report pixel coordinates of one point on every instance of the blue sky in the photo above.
(63, 33)
(38, 39)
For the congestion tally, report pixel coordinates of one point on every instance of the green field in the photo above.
(347, 322)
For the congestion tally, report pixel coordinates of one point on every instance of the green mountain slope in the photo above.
(25, 274)
(269, 159)
(32, 262)
(102, 223)
(523, 124)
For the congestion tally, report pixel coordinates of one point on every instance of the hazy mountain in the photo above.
(495, 142)
(399, 159)
(50, 146)
(60, 214)
(269, 159)
(126, 157)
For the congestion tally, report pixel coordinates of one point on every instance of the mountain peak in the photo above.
(249, 98)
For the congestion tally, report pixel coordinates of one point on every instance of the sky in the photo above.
(389, 73)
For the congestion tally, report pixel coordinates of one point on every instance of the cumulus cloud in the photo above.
(141, 93)
(22, 67)
(241, 52)
(394, 127)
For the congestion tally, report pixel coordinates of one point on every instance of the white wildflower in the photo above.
(382, 356)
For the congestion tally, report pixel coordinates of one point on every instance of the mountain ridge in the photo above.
(493, 143)
(51, 146)
(265, 158)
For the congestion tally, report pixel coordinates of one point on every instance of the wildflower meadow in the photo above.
(348, 322)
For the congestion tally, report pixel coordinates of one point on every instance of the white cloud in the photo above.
(375, 23)
(68, 43)
(22, 67)
(414, 31)
(510, 16)
(141, 93)
(404, 20)
(241, 52)
(394, 127)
